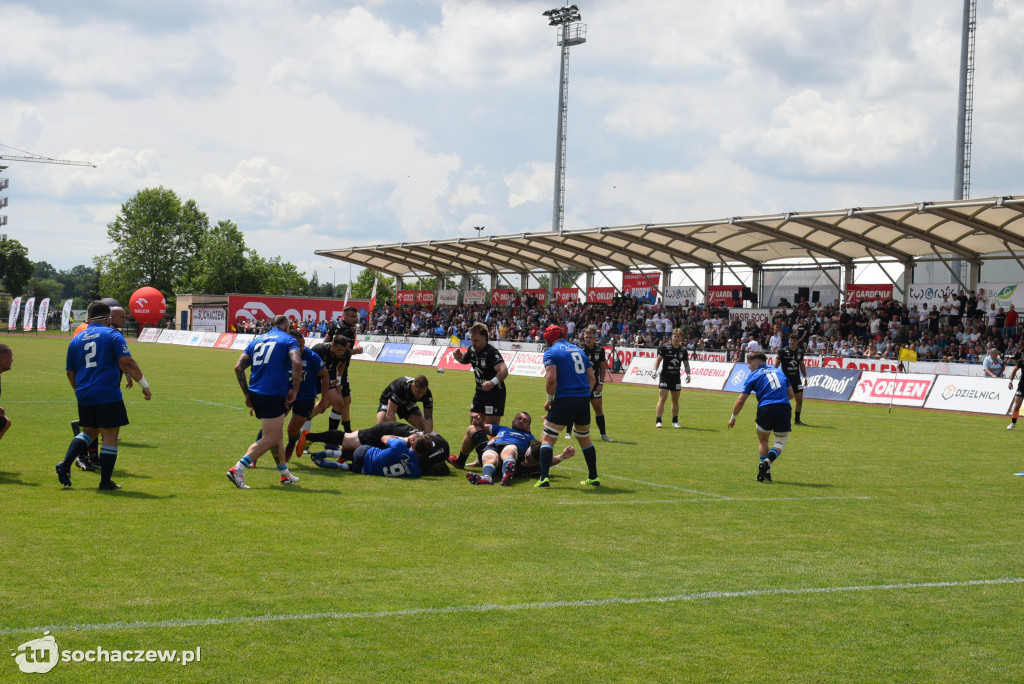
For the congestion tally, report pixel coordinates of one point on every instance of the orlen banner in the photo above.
(539, 292)
(566, 295)
(425, 297)
(447, 362)
(405, 297)
(861, 292)
(677, 295)
(721, 295)
(879, 365)
(625, 355)
(641, 285)
(261, 307)
(600, 295)
(902, 389)
(976, 395)
(502, 297)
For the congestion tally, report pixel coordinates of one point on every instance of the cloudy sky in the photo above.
(319, 124)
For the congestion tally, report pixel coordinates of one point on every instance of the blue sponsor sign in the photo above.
(832, 384)
(736, 379)
(394, 352)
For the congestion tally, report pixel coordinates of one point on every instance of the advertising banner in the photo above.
(371, 350)
(502, 297)
(641, 371)
(600, 295)
(44, 312)
(394, 353)
(508, 355)
(737, 377)
(210, 339)
(717, 356)
(425, 297)
(906, 389)
(527, 363)
(975, 395)
(149, 334)
(1002, 295)
(240, 342)
(167, 337)
(644, 286)
(567, 295)
(447, 362)
(721, 295)
(851, 363)
(422, 355)
(224, 340)
(65, 315)
(679, 295)
(30, 314)
(194, 338)
(210, 318)
(405, 297)
(830, 384)
(926, 295)
(539, 293)
(703, 374)
(12, 317)
(475, 296)
(625, 355)
(858, 293)
(448, 297)
(262, 307)
(756, 316)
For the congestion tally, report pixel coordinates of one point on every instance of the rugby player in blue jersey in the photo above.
(568, 377)
(95, 360)
(773, 410)
(504, 450)
(273, 384)
(403, 457)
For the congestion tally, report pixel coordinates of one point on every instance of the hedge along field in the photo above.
(888, 546)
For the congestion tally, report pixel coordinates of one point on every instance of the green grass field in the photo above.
(870, 558)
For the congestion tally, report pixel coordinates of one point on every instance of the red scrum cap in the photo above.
(552, 334)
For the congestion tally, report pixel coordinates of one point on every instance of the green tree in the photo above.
(15, 267)
(43, 270)
(41, 288)
(79, 282)
(221, 263)
(363, 287)
(156, 239)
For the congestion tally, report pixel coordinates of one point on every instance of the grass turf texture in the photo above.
(860, 499)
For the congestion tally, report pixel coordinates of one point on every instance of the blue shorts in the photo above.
(267, 407)
(570, 411)
(103, 415)
(774, 418)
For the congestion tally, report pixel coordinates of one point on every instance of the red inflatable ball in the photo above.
(147, 305)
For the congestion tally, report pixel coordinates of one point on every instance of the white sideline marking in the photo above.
(212, 403)
(649, 484)
(492, 607)
(48, 373)
(722, 500)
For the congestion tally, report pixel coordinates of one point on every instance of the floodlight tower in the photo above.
(571, 32)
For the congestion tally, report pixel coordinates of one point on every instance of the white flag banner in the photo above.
(29, 317)
(44, 312)
(65, 315)
(12, 318)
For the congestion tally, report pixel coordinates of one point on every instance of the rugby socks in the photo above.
(1016, 415)
(547, 454)
(347, 424)
(488, 471)
(600, 424)
(291, 444)
(327, 437)
(108, 457)
(335, 420)
(590, 455)
(797, 416)
(79, 446)
(773, 454)
(675, 419)
(242, 464)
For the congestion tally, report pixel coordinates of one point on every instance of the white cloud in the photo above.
(531, 182)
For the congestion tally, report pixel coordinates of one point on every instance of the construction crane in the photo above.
(29, 157)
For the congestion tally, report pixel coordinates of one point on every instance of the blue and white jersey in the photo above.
(572, 364)
(397, 460)
(769, 384)
(94, 355)
(309, 385)
(506, 435)
(271, 368)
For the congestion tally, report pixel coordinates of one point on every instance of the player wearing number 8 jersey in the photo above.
(568, 378)
(773, 410)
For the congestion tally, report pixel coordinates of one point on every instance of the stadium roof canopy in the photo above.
(966, 229)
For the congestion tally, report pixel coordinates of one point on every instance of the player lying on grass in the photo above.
(517, 459)
(402, 457)
(375, 436)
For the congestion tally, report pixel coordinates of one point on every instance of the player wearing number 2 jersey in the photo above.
(773, 410)
(568, 379)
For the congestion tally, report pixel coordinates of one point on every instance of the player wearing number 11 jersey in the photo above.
(773, 410)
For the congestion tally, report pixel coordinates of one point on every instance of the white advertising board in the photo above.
(530, 364)
(242, 341)
(371, 350)
(423, 355)
(974, 395)
(903, 389)
(703, 374)
(149, 335)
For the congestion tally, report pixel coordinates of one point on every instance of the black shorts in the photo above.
(103, 415)
(672, 382)
(3, 422)
(498, 447)
(797, 383)
(569, 411)
(403, 412)
(372, 435)
(489, 403)
(303, 409)
(266, 407)
(775, 418)
(346, 390)
(598, 391)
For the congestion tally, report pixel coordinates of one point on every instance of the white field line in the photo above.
(723, 500)
(649, 484)
(212, 403)
(496, 607)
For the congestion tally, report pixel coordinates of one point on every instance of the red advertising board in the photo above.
(850, 363)
(600, 295)
(868, 292)
(540, 293)
(565, 295)
(225, 341)
(405, 297)
(425, 297)
(502, 297)
(721, 295)
(446, 362)
(640, 285)
(260, 307)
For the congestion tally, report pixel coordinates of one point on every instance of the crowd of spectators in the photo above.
(962, 328)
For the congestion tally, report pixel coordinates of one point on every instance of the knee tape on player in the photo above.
(581, 434)
(780, 441)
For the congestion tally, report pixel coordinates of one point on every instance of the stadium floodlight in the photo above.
(572, 32)
(479, 230)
